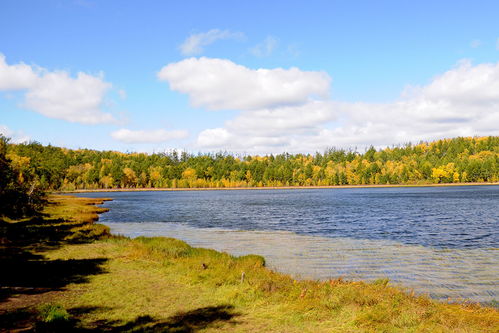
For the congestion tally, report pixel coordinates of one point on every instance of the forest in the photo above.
(457, 160)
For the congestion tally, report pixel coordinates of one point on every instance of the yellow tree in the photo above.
(106, 182)
(20, 164)
(188, 178)
(129, 178)
(155, 175)
(445, 174)
(189, 173)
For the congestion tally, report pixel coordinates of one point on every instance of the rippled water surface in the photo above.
(442, 241)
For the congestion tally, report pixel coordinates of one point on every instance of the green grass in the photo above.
(53, 313)
(163, 284)
(160, 277)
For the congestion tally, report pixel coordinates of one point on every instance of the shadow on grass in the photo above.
(25, 271)
(186, 322)
(35, 276)
(17, 320)
(37, 233)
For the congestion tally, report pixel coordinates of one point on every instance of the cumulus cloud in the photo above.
(219, 84)
(195, 43)
(466, 84)
(56, 94)
(15, 136)
(16, 77)
(214, 138)
(225, 139)
(270, 130)
(279, 121)
(147, 136)
(265, 48)
(463, 101)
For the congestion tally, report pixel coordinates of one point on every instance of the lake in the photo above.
(441, 241)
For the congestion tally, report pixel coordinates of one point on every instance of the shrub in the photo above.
(53, 313)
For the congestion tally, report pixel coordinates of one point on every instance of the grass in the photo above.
(163, 284)
(53, 313)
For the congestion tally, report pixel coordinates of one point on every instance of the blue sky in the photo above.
(247, 77)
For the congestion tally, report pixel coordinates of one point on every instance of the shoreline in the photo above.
(275, 268)
(164, 189)
(320, 258)
(164, 284)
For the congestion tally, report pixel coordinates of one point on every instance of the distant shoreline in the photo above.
(163, 189)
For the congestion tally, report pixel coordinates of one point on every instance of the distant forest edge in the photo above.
(458, 160)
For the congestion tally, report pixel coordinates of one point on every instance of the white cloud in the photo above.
(195, 43)
(15, 136)
(148, 136)
(214, 138)
(268, 130)
(265, 48)
(278, 121)
(463, 101)
(16, 77)
(466, 84)
(56, 94)
(220, 84)
(225, 139)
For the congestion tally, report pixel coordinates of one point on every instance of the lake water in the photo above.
(443, 241)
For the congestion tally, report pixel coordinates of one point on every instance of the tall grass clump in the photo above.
(162, 247)
(53, 313)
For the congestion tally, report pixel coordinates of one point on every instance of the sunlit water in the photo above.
(440, 241)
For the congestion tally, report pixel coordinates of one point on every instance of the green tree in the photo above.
(17, 198)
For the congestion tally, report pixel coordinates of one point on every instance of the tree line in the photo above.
(462, 159)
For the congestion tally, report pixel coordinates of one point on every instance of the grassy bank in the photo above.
(68, 273)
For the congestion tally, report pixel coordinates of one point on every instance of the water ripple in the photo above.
(455, 273)
(436, 240)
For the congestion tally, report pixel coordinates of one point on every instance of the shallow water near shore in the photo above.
(439, 241)
(469, 273)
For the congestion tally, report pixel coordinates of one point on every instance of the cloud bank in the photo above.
(56, 94)
(290, 110)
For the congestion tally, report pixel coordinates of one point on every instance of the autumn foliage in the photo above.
(458, 160)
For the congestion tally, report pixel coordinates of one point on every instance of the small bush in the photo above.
(53, 313)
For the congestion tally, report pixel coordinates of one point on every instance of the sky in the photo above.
(247, 77)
